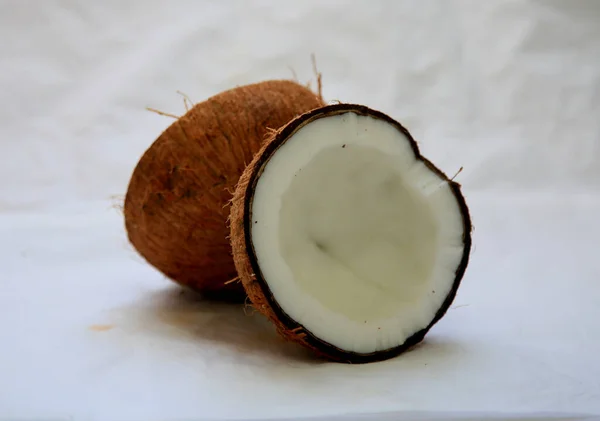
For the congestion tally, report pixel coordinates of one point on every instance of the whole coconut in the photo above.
(176, 206)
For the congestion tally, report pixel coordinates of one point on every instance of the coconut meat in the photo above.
(356, 238)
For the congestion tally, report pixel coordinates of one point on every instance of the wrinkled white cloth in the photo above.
(508, 90)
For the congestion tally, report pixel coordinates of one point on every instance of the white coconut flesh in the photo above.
(357, 239)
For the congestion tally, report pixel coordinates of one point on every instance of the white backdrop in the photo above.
(507, 89)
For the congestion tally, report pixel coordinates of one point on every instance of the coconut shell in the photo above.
(249, 271)
(176, 206)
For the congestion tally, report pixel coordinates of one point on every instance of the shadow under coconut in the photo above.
(179, 314)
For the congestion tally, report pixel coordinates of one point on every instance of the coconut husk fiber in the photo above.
(176, 206)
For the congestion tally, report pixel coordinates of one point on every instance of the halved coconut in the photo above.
(349, 240)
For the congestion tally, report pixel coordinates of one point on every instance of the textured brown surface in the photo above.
(249, 270)
(176, 206)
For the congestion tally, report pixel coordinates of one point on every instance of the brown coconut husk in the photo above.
(249, 271)
(176, 206)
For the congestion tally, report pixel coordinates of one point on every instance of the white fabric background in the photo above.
(508, 89)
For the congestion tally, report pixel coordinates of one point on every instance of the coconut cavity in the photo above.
(351, 238)
(354, 235)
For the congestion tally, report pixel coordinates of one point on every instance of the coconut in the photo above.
(176, 204)
(348, 239)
